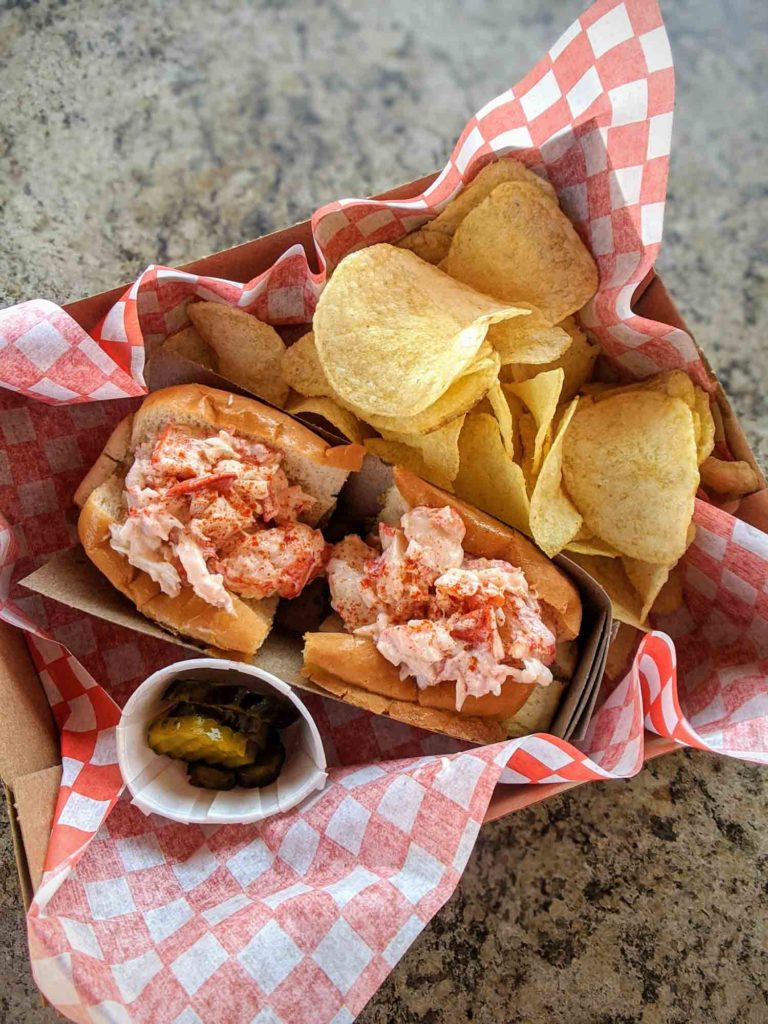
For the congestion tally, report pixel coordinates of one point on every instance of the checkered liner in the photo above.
(299, 919)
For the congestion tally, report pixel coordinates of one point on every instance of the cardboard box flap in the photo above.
(29, 739)
(34, 797)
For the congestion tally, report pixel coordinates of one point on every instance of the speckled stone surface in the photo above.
(139, 133)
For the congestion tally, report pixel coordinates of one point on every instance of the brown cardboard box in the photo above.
(29, 754)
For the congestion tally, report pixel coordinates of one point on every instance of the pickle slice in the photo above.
(210, 776)
(266, 768)
(239, 721)
(277, 711)
(197, 738)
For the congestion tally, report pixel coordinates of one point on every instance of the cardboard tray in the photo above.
(30, 763)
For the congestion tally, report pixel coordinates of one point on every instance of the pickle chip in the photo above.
(195, 738)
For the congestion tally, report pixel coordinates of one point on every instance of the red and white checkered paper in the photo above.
(300, 918)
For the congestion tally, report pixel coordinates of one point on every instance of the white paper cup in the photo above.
(159, 785)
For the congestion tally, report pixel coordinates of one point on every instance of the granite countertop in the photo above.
(164, 132)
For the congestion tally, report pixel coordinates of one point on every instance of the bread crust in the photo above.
(245, 629)
(356, 661)
(351, 666)
(486, 537)
(226, 411)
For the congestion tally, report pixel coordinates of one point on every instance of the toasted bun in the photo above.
(319, 468)
(486, 537)
(352, 668)
(355, 660)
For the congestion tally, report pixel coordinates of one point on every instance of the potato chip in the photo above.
(585, 543)
(610, 574)
(520, 247)
(540, 394)
(528, 339)
(432, 241)
(647, 580)
(439, 449)
(596, 388)
(670, 597)
(675, 383)
(526, 426)
(629, 466)
(485, 181)
(576, 362)
(717, 416)
(500, 407)
(460, 397)
(732, 478)
(343, 420)
(397, 454)
(393, 332)
(189, 344)
(555, 520)
(248, 351)
(428, 244)
(487, 477)
(705, 440)
(301, 369)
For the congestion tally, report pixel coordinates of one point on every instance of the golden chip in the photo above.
(732, 478)
(485, 181)
(717, 416)
(526, 426)
(528, 339)
(540, 394)
(609, 573)
(487, 477)
(433, 240)
(189, 344)
(439, 449)
(248, 351)
(705, 441)
(576, 362)
(647, 580)
(585, 543)
(428, 245)
(302, 370)
(345, 422)
(519, 246)
(500, 407)
(555, 520)
(393, 332)
(670, 597)
(397, 454)
(460, 397)
(675, 383)
(629, 465)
